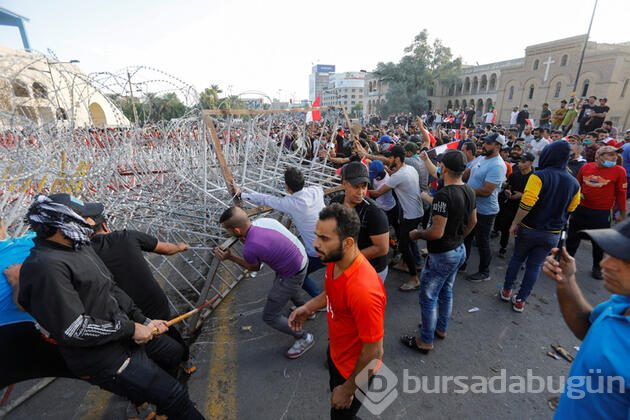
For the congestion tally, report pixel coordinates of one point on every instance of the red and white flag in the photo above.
(444, 147)
(315, 114)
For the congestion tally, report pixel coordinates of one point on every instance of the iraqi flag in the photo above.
(436, 151)
(315, 114)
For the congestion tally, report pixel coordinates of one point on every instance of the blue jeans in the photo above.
(436, 290)
(534, 246)
(309, 285)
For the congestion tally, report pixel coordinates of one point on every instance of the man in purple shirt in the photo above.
(267, 241)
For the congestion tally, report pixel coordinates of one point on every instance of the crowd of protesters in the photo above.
(416, 195)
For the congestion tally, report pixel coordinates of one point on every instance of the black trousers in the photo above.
(143, 380)
(337, 379)
(585, 218)
(481, 233)
(504, 221)
(25, 355)
(405, 244)
(166, 352)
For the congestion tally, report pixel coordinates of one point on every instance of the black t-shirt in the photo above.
(517, 182)
(456, 203)
(373, 222)
(597, 122)
(470, 114)
(585, 112)
(121, 251)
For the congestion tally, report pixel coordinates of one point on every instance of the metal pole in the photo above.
(579, 70)
(133, 105)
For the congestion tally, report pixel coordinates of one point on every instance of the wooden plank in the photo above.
(227, 173)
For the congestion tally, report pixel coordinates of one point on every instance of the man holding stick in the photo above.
(101, 334)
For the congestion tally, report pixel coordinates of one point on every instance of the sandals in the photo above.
(410, 341)
(406, 287)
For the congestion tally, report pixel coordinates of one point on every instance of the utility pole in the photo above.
(588, 34)
(133, 105)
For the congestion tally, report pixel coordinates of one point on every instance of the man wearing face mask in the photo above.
(485, 177)
(603, 184)
(590, 146)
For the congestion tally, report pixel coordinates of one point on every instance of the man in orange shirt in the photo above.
(355, 300)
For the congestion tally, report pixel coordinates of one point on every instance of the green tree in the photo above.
(423, 65)
(209, 98)
(357, 110)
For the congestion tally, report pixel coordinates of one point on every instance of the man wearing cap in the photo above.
(550, 194)
(453, 218)
(374, 232)
(603, 184)
(405, 183)
(101, 334)
(512, 196)
(600, 373)
(485, 177)
(379, 177)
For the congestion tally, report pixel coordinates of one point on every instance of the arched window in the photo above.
(20, 89)
(464, 104)
(450, 105)
(484, 82)
(531, 92)
(39, 90)
(623, 89)
(456, 103)
(536, 64)
(467, 85)
(430, 91)
(511, 93)
(563, 60)
(451, 90)
(585, 86)
(493, 81)
(556, 93)
(475, 84)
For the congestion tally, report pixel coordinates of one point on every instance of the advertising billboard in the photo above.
(324, 68)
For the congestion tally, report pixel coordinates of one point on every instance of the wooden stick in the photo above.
(188, 314)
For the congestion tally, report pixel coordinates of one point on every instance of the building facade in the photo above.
(546, 74)
(345, 89)
(318, 79)
(36, 90)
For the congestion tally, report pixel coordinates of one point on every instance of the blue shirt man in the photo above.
(483, 170)
(12, 251)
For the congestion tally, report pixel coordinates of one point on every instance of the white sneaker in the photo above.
(301, 346)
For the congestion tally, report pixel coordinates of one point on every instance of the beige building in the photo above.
(34, 89)
(546, 74)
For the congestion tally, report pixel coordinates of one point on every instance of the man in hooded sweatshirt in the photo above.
(550, 195)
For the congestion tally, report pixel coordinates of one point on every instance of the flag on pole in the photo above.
(315, 114)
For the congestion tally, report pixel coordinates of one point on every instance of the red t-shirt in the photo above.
(355, 302)
(602, 186)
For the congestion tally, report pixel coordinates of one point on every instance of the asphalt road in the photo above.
(243, 373)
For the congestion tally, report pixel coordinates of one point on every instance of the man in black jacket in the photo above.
(521, 119)
(101, 334)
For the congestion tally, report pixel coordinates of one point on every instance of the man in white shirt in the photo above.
(406, 184)
(537, 145)
(513, 116)
(303, 205)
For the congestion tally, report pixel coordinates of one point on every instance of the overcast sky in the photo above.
(271, 45)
